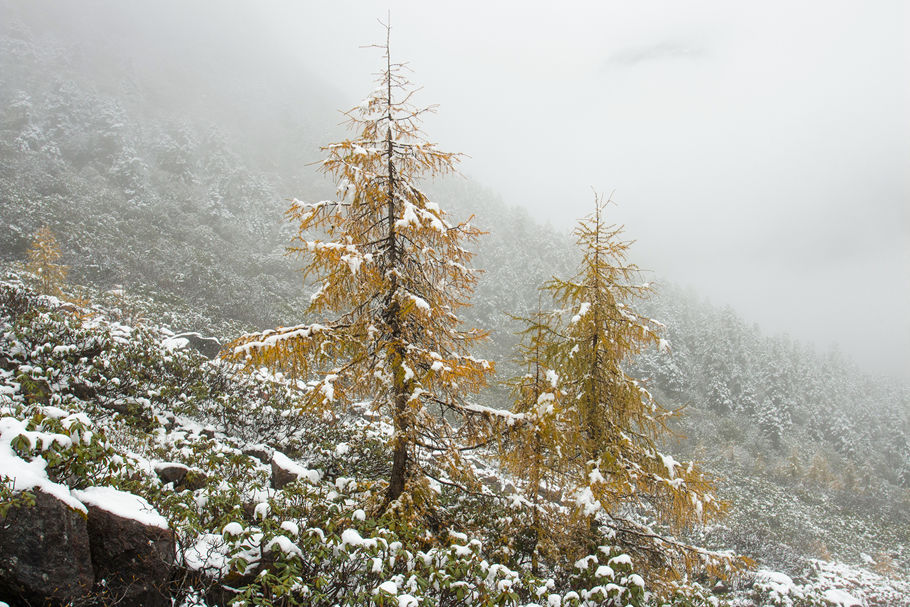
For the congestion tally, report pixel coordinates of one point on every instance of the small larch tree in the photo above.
(588, 431)
(43, 256)
(530, 445)
(393, 270)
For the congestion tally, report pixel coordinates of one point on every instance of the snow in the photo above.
(584, 497)
(262, 510)
(841, 598)
(173, 344)
(406, 600)
(283, 544)
(328, 388)
(604, 571)
(389, 587)
(122, 504)
(351, 537)
(670, 464)
(594, 476)
(409, 217)
(420, 302)
(234, 528)
(552, 377)
(582, 310)
(29, 475)
(285, 463)
(291, 527)
(622, 559)
(777, 583)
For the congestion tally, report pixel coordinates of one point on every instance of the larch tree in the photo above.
(394, 271)
(589, 431)
(530, 448)
(43, 256)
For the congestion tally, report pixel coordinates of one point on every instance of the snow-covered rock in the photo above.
(132, 547)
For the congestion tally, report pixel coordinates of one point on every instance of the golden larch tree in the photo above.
(43, 255)
(392, 268)
(530, 445)
(588, 430)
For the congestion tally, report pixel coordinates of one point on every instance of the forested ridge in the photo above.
(166, 219)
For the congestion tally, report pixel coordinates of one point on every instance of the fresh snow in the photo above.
(30, 475)
(285, 463)
(841, 598)
(122, 504)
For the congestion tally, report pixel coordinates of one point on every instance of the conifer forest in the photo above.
(278, 330)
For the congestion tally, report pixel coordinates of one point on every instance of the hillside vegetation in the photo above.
(165, 222)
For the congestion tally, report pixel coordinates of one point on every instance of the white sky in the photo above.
(759, 152)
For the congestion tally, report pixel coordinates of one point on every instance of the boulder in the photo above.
(194, 479)
(44, 553)
(171, 472)
(260, 452)
(132, 548)
(281, 476)
(207, 346)
(285, 471)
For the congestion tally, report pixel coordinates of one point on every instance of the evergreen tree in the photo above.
(593, 428)
(395, 270)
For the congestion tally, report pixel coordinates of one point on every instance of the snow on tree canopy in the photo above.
(393, 272)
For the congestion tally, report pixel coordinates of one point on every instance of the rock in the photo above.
(260, 452)
(194, 479)
(285, 471)
(281, 476)
(8, 364)
(68, 308)
(207, 346)
(44, 553)
(171, 472)
(132, 556)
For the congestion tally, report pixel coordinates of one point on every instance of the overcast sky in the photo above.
(759, 152)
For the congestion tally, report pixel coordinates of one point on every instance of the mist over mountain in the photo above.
(173, 188)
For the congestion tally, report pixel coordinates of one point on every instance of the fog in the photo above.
(758, 153)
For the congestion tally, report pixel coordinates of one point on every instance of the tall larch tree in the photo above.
(394, 271)
(594, 428)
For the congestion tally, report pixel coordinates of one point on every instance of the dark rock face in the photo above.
(207, 346)
(171, 472)
(281, 477)
(44, 553)
(133, 561)
(259, 452)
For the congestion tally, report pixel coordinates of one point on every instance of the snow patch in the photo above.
(122, 504)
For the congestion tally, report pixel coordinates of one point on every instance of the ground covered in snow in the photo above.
(94, 410)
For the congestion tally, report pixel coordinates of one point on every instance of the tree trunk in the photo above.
(400, 452)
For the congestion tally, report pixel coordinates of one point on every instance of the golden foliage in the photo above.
(43, 255)
(588, 430)
(394, 272)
